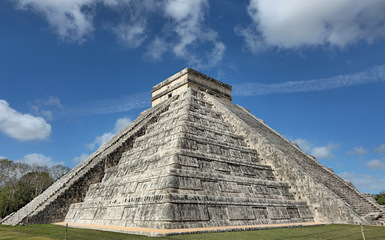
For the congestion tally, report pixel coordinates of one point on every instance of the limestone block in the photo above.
(210, 187)
(71, 212)
(87, 214)
(229, 187)
(188, 161)
(129, 214)
(217, 212)
(189, 183)
(220, 166)
(189, 212)
(240, 213)
(152, 212)
(305, 213)
(110, 213)
(293, 212)
(260, 213)
(278, 213)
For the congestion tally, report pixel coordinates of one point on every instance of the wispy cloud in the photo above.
(375, 164)
(39, 159)
(186, 33)
(100, 140)
(156, 49)
(181, 27)
(80, 158)
(365, 182)
(107, 106)
(130, 22)
(320, 152)
(371, 75)
(358, 151)
(52, 108)
(46, 107)
(381, 148)
(324, 152)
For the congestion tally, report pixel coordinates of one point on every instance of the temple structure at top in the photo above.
(189, 78)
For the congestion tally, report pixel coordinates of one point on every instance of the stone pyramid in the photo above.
(195, 160)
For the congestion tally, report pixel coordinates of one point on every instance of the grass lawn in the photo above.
(335, 231)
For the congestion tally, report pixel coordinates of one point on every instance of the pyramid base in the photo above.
(153, 232)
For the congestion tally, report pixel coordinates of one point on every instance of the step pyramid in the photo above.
(197, 160)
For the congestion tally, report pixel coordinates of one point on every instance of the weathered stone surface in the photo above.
(178, 175)
(197, 160)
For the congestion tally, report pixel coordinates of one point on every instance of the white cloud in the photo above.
(188, 19)
(371, 75)
(304, 144)
(70, 19)
(365, 182)
(320, 152)
(52, 101)
(375, 164)
(39, 159)
(22, 126)
(121, 123)
(381, 148)
(80, 158)
(100, 140)
(184, 30)
(73, 20)
(324, 152)
(358, 151)
(297, 23)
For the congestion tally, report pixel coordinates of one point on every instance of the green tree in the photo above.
(15, 196)
(380, 198)
(37, 181)
(7, 200)
(21, 182)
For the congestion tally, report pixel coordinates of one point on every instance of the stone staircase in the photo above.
(344, 190)
(350, 194)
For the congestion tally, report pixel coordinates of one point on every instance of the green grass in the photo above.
(334, 231)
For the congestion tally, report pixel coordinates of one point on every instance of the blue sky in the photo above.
(74, 72)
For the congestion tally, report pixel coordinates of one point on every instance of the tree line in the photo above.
(21, 182)
(380, 198)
